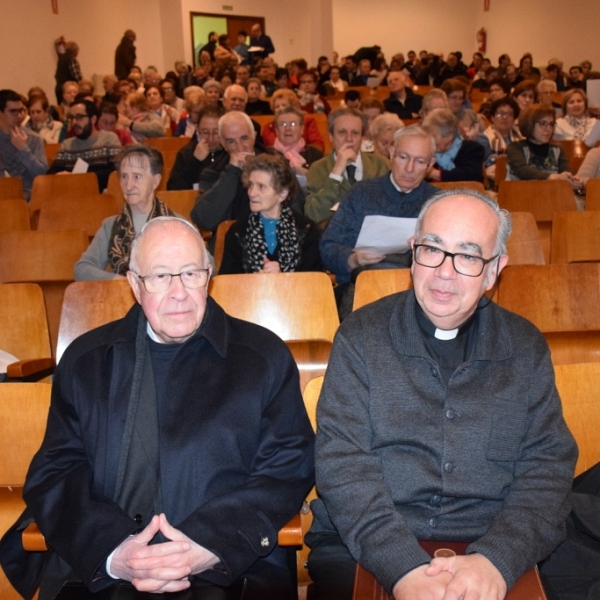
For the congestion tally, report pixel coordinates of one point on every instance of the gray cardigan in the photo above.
(400, 457)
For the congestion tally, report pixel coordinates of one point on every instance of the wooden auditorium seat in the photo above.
(114, 189)
(86, 212)
(179, 201)
(23, 415)
(575, 237)
(451, 185)
(374, 284)
(11, 187)
(58, 187)
(592, 194)
(542, 199)
(296, 306)
(222, 230)
(24, 330)
(89, 304)
(580, 396)
(170, 144)
(575, 151)
(524, 246)
(46, 258)
(563, 301)
(15, 215)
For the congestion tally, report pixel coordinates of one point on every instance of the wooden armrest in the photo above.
(31, 368)
(33, 539)
(291, 533)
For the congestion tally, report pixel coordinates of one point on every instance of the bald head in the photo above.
(235, 98)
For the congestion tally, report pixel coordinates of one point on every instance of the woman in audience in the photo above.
(576, 122)
(590, 167)
(335, 83)
(142, 122)
(382, 130)
(194, 103)
(502, 131)
(536, 157)
(499, 88)
(156, 102)
(256, 106)
(212, 92)
(457, 94)
(371, 108)
(107, 257)
(433, 99)
(40, 120)
(527, 70)
(524, 94)
(310, 100)
(225, 57)
(456, 159)
(272, 239)
(282, 99)
(289, 124)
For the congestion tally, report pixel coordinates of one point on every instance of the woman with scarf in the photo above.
(577, 124)
(536, 157)
(107, 257)
(272, 239)
(289, 125)
(456, 159)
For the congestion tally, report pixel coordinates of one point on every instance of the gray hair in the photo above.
(548, 84)
(346, 112)
(135, 153)
(161, 222)
(441, 121)
(414, 131)
(232, 116)
(504, 219)
(385, 122)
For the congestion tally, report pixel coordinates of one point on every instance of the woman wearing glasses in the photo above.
(576, 122)
(536, 157)
(272, 239)
(107, 257)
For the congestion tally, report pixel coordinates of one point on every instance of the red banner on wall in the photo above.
(55, 6)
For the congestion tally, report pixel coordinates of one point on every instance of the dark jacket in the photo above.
(124, 58)
(468, 164)
(187, 168)
(411, 106)
(236, 457)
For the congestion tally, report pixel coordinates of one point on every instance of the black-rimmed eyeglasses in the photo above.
(464, 264)
(161, 282)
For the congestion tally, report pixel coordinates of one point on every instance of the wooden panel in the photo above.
(114, 189)
(451, 185)
(222, 230)
(11, 506)
(179, 201)
(524, 246)
(374, 284)
(592, 194)
(580, 396)
(15, 215)
(575, 237)
(11, 187)
(311, 358)
(89, 304)
(295, 306)
(170, 144)
(321, 121)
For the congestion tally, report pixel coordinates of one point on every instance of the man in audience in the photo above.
(97, 148)
(235, 97)
(400, 193)
(203, 151)
(21, 150)
(108, 117)
(241, 49)
(402, 100)
(242, 74)
(364, 72)
(211, 45)
(331, 177)
(125, 55)
(262, 44)
(70, 89)
(177, 444)
(439, 419)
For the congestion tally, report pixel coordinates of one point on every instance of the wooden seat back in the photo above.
(51, 150)
(592, 194)
(179, 201)
(575, 237)
(542, 199)
(311, 358)
(46, 258)
(296, 306)
(82, 212)
(563, 301)
(15, 215)
(222, 230)
(89, 304)
(11, 187)
(48, 187)
(575, 151)
(580, 395)
(374, 284)
(524, 246)
(114, 189)
(169, 144)
(451, 185)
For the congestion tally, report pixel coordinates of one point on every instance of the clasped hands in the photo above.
(471, 577)
(164, 567)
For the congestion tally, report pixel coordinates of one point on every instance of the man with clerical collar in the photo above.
(177, 445)
(400, 193)
(330, 178)
(439, 419)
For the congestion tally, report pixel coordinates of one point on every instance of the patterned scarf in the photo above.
(288, 248)
(123, 234)
(580, 126)
(292, 152)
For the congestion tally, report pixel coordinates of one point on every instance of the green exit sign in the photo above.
(227, 7)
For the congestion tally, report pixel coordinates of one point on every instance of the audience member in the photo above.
(225, 57)
(108, 117)
(255, 105)
(527, 70)
(456, 159)
(67, 69)
(433, 99)
(241, 49)
(125, 55)
(546, 89)
(142, 122)
(590, 167)
(203, 150)
(40, 120)
(371, 108)
(194, 103)
(272, 239)
(456, 91)
(167, 87)
(352, 99)
(330, 179)
(260, 44)
(70, 89)
(382, 130)
(335, 83)
(97, 148)
(402, 100)
(310, 99)
(524, 94)
(212, 92)
(21, 150)
(576, 122)
(501, 132)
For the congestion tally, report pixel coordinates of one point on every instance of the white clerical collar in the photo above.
(398, 187)
(445, 334)
(152, 335)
